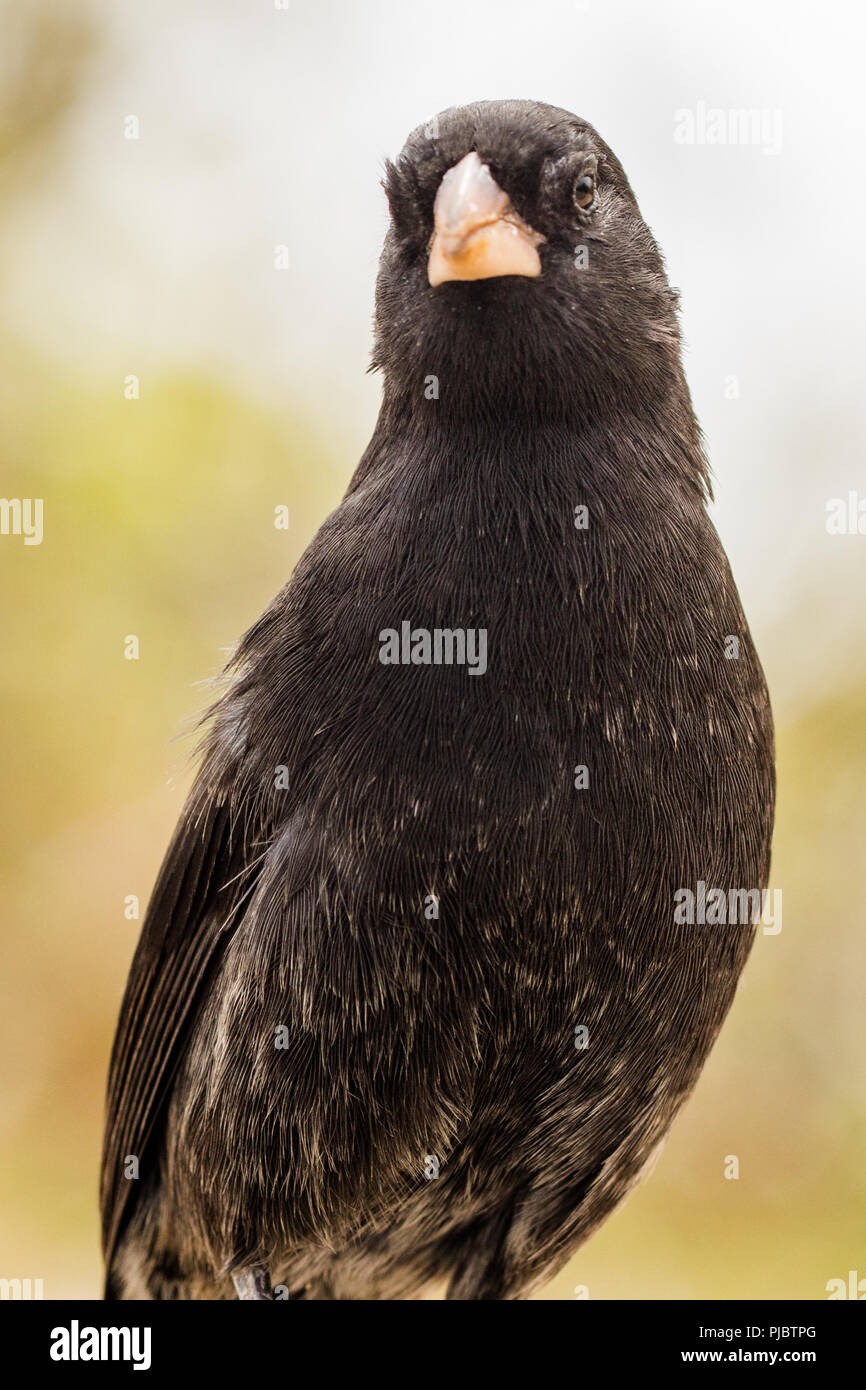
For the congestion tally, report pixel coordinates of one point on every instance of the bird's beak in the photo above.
(477, 234)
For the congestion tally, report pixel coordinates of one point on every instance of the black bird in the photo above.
(413, 1000)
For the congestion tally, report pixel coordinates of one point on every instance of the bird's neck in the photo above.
(434, 445)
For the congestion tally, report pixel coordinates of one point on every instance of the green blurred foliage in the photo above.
(159, 522)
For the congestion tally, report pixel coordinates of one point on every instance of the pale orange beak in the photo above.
(477, 234)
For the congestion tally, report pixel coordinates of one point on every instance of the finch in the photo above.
(416, 997)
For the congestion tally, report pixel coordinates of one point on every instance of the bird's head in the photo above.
(518, 270)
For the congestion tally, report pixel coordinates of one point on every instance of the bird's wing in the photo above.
(191, 916)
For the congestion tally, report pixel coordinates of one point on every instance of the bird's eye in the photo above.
(584, 191)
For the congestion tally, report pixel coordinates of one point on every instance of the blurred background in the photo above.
(165, 384)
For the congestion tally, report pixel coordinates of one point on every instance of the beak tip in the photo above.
(496, 250)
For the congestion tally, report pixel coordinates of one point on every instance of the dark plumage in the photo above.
(301, 900)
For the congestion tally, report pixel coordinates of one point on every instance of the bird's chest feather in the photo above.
(453, 662)
(511, 692)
